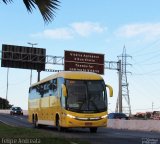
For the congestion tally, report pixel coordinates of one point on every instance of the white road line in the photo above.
(7, 123)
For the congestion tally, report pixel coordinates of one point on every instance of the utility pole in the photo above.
(112, 65)
(33, 44)
(120, 86)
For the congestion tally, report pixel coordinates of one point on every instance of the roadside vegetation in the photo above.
(10, 134)
(4, 104)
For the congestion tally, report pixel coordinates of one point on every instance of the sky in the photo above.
(104, 27)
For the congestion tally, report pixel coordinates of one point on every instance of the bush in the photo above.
(4, 104)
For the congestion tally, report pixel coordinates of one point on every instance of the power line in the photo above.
(155, 71)
(147, 53)
(148, 47)
(150, 58)
(147, 108)
(148, 73)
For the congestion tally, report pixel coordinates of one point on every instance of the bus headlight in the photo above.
(71, 116)
(104, 116)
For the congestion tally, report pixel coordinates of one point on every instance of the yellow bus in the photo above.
(69, 100)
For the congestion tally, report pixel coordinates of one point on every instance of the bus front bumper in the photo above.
(73, 122)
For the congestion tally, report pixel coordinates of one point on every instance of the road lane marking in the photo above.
(7, 123)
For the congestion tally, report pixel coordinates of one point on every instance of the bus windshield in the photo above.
(86, 96)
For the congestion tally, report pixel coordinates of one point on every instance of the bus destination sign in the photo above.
(82, 61)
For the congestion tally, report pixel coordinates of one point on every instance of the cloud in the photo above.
(147, 30)
(59, 33)
(82, 29)
(87, 28)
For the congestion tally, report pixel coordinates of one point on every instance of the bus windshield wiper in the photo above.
(94, 104)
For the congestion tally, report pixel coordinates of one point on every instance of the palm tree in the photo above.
(46, 7)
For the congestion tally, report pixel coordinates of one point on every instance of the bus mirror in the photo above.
(110, 90)
(64, 90)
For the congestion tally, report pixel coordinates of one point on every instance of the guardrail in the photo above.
(142, 125)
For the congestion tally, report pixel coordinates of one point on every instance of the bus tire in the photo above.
(35, 121)
(59, 128)
(93, 130)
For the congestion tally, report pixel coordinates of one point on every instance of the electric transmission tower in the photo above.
(123, 100)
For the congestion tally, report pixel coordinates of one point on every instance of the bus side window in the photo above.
(62, 98)
(40, 89)
(53, 87)
(60, 82)
(46, 89)
(30, 93)
(33, 94)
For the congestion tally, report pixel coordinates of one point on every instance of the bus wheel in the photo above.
(35, 121)
(59, 128)
(93, 130)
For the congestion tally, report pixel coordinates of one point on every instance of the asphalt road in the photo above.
(103, 135)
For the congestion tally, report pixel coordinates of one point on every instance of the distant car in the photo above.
(16, 110)
(118, 116)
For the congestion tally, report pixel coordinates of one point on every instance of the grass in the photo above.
(16, 135)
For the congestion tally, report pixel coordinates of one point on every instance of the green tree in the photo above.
(46, 7)
(4, 104)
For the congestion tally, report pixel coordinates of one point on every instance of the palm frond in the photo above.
(46, 7)
(7, 1)
(30, 4)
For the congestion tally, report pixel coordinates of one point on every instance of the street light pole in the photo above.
(32, 44)
(152, 106)
(7, 84)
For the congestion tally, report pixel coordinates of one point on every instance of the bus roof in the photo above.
(79, 75)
